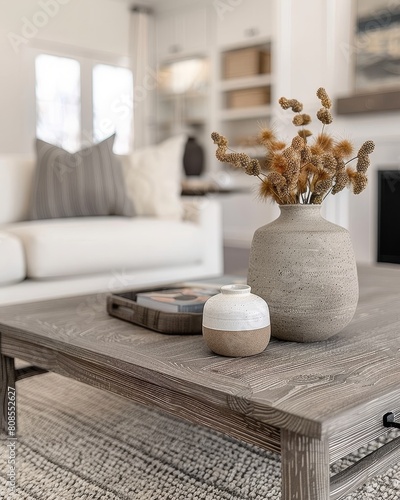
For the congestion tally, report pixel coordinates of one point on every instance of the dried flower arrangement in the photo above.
(302, 172)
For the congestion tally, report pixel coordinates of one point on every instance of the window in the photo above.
(58, 101)
(184, 76)
(72, 92)
(112, 105)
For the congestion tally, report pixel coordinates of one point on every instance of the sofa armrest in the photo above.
(207, 213)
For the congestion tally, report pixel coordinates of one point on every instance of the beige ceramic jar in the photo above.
(236, 322)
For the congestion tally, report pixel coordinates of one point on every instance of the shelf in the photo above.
(246, 113)
(245, 82)
(257, 151)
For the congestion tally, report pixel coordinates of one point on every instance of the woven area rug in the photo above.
(78, 442)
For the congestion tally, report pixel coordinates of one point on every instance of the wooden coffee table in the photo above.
(313, 403)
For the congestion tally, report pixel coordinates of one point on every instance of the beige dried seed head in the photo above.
(323, 96)
(304, 133)
(329, 161)
(284, 102)
(322, 186)
(298, 143)
(366, 149)
(359, 182)
(324, 116)
(296, 105)
(363, 163)
(253, 168)
(301, 119)
(342, 180)
(317, 200)
(305, 154)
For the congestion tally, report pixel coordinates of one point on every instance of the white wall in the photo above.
(78, 27)
(314, 47)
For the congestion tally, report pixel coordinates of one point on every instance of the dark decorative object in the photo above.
(193, 157)
(388, 210)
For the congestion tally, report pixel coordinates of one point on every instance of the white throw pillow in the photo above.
(153, 178)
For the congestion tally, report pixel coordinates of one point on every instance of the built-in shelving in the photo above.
(246, 113)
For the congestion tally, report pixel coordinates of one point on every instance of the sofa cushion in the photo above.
(12, 259)
(153, 178)
(67, 247)
(16, 176)
(89, 182)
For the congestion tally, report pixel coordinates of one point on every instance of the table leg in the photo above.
(7, 394)
(305, 467)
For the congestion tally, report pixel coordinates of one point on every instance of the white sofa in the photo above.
(59, 257)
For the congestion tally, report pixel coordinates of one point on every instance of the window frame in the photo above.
(87, 60)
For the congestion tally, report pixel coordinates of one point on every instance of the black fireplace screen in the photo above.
(389, 216)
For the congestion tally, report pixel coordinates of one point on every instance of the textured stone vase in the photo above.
(304, 267)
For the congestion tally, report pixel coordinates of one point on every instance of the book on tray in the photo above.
(186, 299)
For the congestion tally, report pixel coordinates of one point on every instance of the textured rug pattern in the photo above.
(78, 442)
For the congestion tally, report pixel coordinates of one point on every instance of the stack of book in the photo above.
(186, 299)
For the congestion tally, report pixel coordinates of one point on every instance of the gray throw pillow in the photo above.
(89, 182)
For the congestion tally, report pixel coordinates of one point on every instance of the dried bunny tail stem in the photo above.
(324, 98)
(322, 186)
(219, 139)
(279, 185)
(284, 102)
(305, 154)
(329, 162)
(324, 141)
(277, 145)
(359, 182)
(267, 190)
(343, 149)
(302, 182)
(363, 163)
(294, 104)
(253, 168)
(342, 180)
(278, 163)
(266, 136)
(298, 143)
(292, 156)
(301, 119)
(239, 160)
(304, 133)
(324, 116)
(366, 149)
(316, 199)
(316, 150)
(316, 161)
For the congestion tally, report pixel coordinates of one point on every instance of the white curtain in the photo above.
(142, 52)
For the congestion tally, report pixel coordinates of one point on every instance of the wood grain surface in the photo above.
(316, 389)
(327, 394)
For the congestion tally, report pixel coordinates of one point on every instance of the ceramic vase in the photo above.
(236, 322)
(304, 267)
(193, 158)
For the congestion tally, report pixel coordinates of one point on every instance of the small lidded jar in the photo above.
(236, 322)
